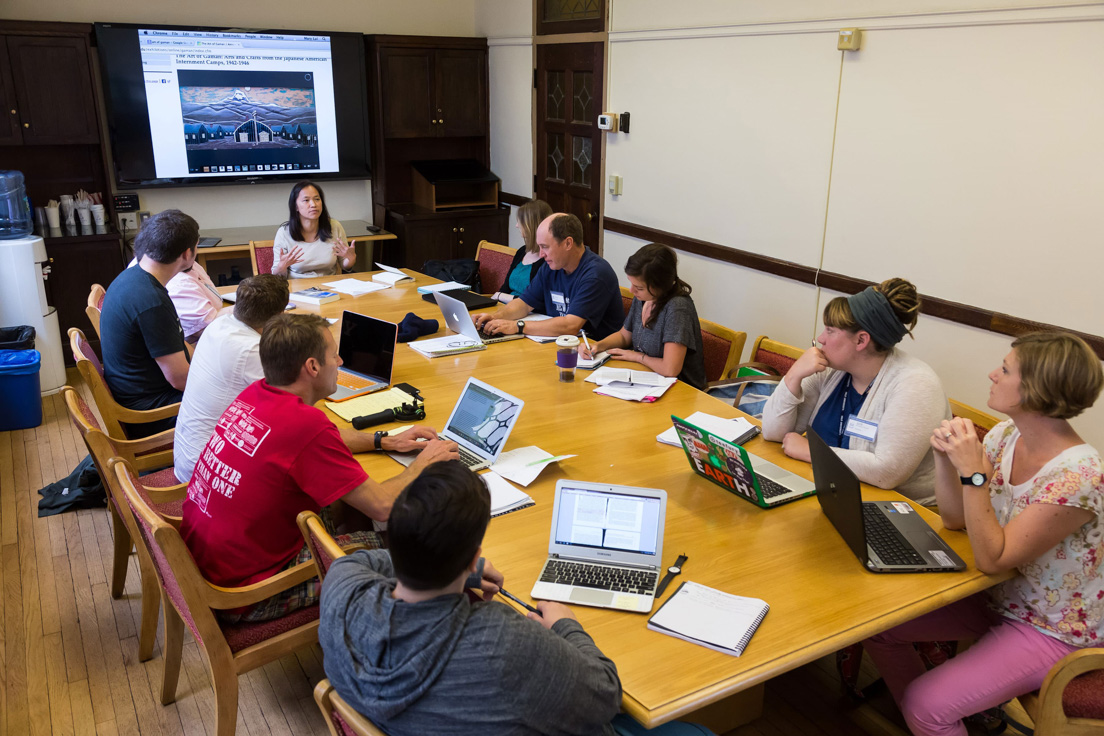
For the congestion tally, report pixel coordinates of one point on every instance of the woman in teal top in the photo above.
(527, 260)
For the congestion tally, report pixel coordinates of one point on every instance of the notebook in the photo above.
(459, 321)
(886, 536)
(731, 467)
(707, 617)
(605, 547)
(738, 430)
(367, 349)
(505, 498)
(480, 423)
(470, 299)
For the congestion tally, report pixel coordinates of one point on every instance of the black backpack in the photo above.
(460, 270)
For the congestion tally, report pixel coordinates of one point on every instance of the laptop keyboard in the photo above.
(885, 540)
(488, 337)
(350, 380)
(771, 488)
(616, 579)
(469, 459)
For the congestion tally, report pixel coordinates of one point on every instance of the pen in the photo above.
(519, 601)
(585, 341)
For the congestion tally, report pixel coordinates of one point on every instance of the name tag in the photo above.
(861, 429)
(558, 298)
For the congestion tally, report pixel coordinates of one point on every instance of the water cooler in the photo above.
(24, 268)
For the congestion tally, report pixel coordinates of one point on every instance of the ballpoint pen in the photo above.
(585, 341)
(517, 600)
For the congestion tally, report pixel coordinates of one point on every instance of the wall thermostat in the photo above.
(608, 121)
(850, 39)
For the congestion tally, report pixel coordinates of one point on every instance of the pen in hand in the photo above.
(585, 341)
(517, 600)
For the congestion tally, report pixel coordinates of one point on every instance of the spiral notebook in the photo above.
(505, 498)
(710, 618)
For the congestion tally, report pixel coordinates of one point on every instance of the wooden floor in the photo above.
(68, 651)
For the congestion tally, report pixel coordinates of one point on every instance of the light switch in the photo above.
(614, 184)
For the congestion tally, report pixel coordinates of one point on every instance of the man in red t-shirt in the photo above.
(273, 454)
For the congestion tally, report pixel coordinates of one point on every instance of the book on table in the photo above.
(390, 275)
(710, 618)
(314, 295)
(446, 286)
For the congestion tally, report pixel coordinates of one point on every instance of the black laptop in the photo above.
(886, 536)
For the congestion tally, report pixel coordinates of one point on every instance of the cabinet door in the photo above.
(9, 114)
(461, 92)
(471, 228)
(54, 89)
(76, 265)
(406, 89)
(426, 239)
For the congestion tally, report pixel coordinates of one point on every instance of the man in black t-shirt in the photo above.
(144, 355)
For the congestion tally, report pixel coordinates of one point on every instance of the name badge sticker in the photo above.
(861, 428)
(941, 557)
(558, 298)
(902, 508)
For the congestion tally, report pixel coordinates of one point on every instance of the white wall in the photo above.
(228, 206)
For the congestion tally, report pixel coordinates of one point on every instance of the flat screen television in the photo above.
(191, 105)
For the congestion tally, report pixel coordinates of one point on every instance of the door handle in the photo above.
(590, 217)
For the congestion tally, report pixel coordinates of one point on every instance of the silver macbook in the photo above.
(367, 349)
(480, 423)
(459, 321)
(606, 546)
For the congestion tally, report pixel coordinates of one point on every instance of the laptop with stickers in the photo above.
(886, 536)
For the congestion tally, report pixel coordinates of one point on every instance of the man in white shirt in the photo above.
(226, 361)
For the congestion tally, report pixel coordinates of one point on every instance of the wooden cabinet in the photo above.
(432, 93)
(425, 235)
(9, 113)
(75, 264)
(50, 91)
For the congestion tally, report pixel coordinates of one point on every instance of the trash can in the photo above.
(17, 338)
(20, 402)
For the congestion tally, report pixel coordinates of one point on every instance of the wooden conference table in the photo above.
(821, 598)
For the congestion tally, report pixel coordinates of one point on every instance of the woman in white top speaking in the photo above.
(310, 243)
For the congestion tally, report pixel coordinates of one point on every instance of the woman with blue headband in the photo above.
(873, 403)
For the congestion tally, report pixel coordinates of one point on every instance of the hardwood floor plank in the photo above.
(16, 718)
(285, 695)
(270, 707)
(108, 728)
(195, 684)
(168, 716)
(125, 618)
(126, 719)
(70, 624)
(89, 540)
(61, 709)
(7, 490)
(3, 651)
(51, 622)
(72, 445)
(84, 719)
(146, 707)
(38, 696)
(250, 708)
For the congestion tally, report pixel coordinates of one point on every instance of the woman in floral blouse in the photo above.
(1031, 498)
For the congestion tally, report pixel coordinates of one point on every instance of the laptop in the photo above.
(731, 467)
(480, 423)
(470, 298)
(886, 536)
(459, 321)
(367, 349)
(605, 548)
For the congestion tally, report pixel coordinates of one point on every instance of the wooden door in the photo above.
(9, 113)
(53, 87)
(406, 92)
(461, 92)
(492, 225)
(569, 144)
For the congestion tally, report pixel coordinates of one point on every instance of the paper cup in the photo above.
(53, 217)
(98, 214)
(85, 216)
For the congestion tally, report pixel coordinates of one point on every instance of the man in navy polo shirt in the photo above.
(578, 290)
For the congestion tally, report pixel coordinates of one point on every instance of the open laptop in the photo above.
(480, 423)
(458, 320)
(605, 548)
(731, 467)
(367, 349)
(886, 536)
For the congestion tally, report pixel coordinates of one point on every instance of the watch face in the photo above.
(674, 570)
(978, 479)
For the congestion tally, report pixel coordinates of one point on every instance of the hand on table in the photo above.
(796, 446)
(550, 613)
(412, 440)
(501, 327)
(492, 581)
(958, 440)
(293, 256)
(632, 356)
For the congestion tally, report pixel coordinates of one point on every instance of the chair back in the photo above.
(777, 355)
(261, 253)
(626, 300)
(494, 264)
(340, 716)
(95, 305)
(721, 349)
(91, 370)
(323, 547)
(982, 422)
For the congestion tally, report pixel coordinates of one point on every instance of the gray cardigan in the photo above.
(907, 402)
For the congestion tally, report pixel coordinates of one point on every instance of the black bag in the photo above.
(460, 270)
(81, 489)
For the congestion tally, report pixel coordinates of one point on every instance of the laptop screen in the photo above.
(483, 418)
(605, 520)
(367, 345)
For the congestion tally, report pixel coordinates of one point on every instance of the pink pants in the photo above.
(1009, 659)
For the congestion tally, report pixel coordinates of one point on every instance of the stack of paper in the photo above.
(504, 497)
(354, 287)
(436, 347)
(630, 385)
(524, 464)
(369, 403)
(738, 430)
(447, 286)
(710, 618)
(390, 275)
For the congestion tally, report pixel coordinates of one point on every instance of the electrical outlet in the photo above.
(128, 221)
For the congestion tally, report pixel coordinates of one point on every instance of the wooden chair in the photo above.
(323, 547)
(95, 305)
(340, 716)
(165, 493)
(112, 412)
(1071, 700)
(721, 348)
(262, 254)
(982, 422)
(230, 649)
(626, 300)
(769, 358)
(494, 264)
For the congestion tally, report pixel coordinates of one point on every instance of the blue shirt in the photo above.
(831, 421)
(590, 292)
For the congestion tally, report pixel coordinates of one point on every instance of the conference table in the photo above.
(821, 598)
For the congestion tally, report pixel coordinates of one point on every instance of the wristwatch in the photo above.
(672, 571)
(977, 479)
(521, 326)
(379, 440)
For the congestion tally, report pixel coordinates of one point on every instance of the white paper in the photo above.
(524, 464)
(390, 279)
(392, 269)
(355, 287)
(436, 347)
(538, 317)
(726, 429)
(709, 615)
(633, 392)
(448, 285)
(503, 495)
(606, 375)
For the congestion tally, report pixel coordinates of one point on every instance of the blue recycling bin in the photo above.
(20, 399)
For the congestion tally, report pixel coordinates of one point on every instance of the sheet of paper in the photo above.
(391, 269)
(355, 287)
(438, 346)
(726, 429)
(504, 496)
(709, 615)
(369, 403)
(606, 374)
(524, 464)
(389, 278)
(537, 317)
